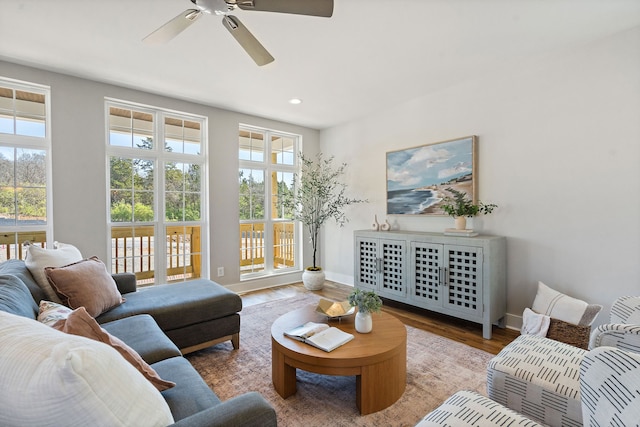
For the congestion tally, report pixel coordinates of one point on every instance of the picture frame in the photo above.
(417, 177)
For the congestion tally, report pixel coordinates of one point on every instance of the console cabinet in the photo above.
(464, 277)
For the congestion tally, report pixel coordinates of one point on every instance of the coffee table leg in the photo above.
(283, 375)
(381, 384)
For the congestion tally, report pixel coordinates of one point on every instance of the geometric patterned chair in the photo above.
(539, 378)
(468, 408)
(609, 391)
(623, 329)
(610, 387)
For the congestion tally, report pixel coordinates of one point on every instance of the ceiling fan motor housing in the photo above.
(218, 7)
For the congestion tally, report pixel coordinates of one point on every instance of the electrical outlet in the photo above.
(220, 271)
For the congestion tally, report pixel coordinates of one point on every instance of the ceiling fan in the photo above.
(249, 43)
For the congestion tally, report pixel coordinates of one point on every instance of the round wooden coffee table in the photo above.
(377, 359)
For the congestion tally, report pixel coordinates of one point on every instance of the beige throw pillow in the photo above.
(80, 323)
(87, 284)
(37, 259)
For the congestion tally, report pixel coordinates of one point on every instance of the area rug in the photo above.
(436, 368)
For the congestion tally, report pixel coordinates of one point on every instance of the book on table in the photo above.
(320, 335)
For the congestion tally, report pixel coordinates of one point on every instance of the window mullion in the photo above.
(159, 193)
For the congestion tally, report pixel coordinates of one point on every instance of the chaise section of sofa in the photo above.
(194, 314)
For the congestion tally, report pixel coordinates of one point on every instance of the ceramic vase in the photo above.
(364, 323)
(374, 225)
(461, 222)
(313, 280)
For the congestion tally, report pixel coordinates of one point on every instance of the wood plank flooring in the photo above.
(459, 330)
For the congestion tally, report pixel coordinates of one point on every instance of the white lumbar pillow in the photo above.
(38, 258)
(563, 307)
(52, 378)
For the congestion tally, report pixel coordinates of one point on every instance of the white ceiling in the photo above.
(369, 55)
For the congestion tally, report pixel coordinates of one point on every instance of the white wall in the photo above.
(79, 175)
(559, 152)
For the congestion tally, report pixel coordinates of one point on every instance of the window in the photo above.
(157, 198)
(25, 164)
(268, 235)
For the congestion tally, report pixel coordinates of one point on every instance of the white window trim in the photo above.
(31, 142)
(268, 167)
(160, 157)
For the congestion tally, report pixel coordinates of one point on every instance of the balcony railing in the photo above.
(133, 251)
(252, 244)
(11, 244)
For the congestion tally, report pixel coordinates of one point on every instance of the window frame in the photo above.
(268, 168)
(160, 157)
(17, 141)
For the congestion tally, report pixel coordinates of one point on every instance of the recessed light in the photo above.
(295, 101)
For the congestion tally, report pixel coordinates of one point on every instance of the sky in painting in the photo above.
(429, 164)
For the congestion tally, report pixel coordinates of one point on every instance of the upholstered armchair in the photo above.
(610, 387)
(608, 392)
(623, 329)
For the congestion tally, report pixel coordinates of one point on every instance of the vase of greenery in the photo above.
(367, 302)
(318, 195)
(460, 207)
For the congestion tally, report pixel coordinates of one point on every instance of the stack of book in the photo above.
(461, 233)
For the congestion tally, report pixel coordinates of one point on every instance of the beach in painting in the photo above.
(424, 200)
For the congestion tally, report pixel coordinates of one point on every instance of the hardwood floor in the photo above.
(459, 330)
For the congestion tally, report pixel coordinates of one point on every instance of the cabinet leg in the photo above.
(487, 330)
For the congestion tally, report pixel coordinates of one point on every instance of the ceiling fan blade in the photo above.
(299, 7)
(173, 27)
(249, 43)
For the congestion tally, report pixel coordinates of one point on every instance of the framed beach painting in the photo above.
(417, 178)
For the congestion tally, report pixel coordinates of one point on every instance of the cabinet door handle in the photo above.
(446, 276)
(441, 276)
(378, 265)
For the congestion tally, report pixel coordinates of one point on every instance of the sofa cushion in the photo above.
(177, 305)
(50, 312)
(38, 259)
(143, 334)
(85, 283)
(15, 297)
(563, 307)
(80, 323)
(51, 378)
(17, 268)
(191, 394)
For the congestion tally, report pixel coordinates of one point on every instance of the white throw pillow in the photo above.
(52, 378)
(563, 307)
(38, 258)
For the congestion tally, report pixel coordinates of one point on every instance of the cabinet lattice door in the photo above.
(427, 267)
(367, 254)
(464, 278)
(393, 267)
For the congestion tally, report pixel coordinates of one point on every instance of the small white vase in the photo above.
(364, 323)
(374, 225)
(313, 279)
(461, 222)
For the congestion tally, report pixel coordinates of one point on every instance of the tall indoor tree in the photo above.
(318, 195)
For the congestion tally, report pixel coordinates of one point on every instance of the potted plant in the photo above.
(367, 302)
(460, 207)
(318, 195)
